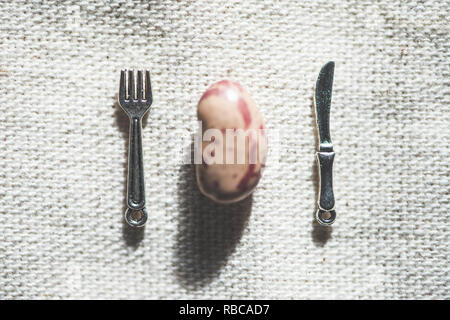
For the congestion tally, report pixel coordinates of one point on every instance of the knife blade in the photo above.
(322, 97)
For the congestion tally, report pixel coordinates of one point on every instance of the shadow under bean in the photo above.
(208, 232)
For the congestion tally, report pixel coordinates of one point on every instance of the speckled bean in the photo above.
(230, 173)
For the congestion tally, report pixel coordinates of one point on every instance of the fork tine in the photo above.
(122, 87)
(139, 86)
(131, 85)
(148, 87)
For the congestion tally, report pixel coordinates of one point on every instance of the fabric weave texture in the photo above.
(63, 142)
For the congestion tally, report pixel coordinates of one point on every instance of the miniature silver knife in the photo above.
(322, 99)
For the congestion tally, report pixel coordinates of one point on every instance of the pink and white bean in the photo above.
(228, 107)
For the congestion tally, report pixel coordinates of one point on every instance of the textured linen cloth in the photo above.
(64, 140)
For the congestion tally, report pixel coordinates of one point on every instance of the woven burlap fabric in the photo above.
(64, 144)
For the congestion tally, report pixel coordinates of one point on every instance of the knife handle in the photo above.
(326, 213)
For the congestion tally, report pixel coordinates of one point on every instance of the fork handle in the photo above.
(136, 187)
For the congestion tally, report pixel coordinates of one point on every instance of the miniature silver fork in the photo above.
(135, 102)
